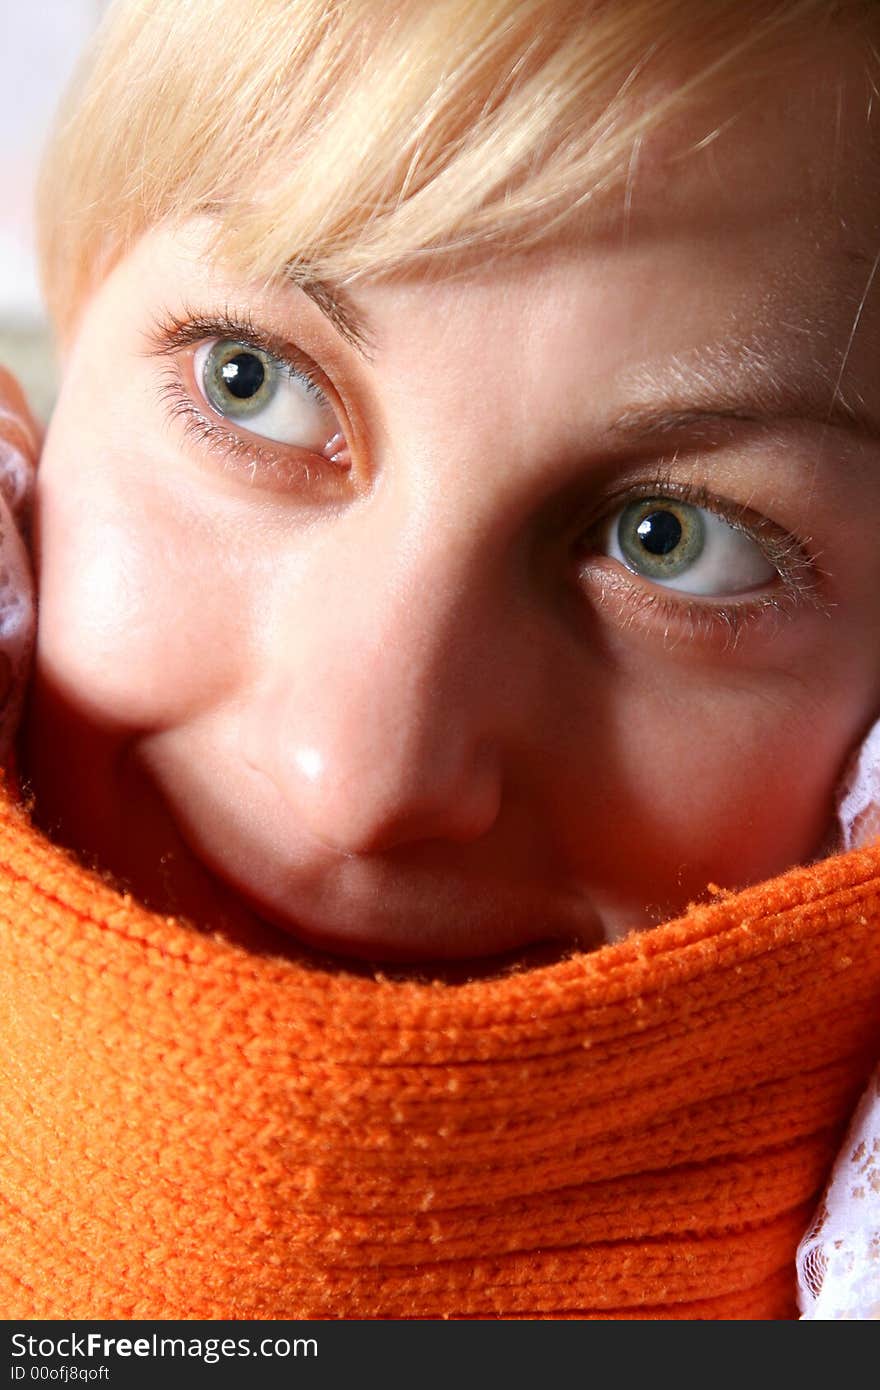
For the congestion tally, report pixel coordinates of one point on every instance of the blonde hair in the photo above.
(342, 138)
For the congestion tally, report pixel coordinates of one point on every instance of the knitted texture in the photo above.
(189, 1130)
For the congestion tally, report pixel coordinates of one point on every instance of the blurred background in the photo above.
(40, 44)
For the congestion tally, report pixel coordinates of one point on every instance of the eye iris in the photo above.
(243, 375)
(239, 380)
(661, 538)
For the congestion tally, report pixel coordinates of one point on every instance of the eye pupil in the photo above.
(659, 532)
(243, 375)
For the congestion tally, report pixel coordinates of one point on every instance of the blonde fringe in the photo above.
(347, 138)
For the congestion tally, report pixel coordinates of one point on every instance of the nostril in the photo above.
(427, 801)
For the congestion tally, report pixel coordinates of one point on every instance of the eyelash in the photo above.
(172, 334)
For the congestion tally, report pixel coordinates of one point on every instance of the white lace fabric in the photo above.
(17, 603)
(858, 809)
(839, 1257)
(838, 1261)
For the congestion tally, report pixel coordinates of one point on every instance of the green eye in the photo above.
(239, 381)
(268, 396)
(661, 538)
(680, 546)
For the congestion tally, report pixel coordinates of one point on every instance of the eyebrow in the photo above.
(680, 398)
(641, 421)
(337, 308)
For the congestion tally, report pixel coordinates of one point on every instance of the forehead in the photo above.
(750, 225)
(789, 149)
(745, 224)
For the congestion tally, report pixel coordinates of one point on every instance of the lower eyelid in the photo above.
(180, 404)
(675, 618)
(281, 467)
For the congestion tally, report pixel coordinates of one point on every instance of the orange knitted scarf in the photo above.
(192, 1131)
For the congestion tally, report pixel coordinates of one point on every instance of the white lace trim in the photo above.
(838, 1260)
(17, 604)
(858, 810)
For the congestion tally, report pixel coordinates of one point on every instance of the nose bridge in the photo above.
(415, 591)
(386, 716)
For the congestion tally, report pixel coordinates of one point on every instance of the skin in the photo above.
(404, 706)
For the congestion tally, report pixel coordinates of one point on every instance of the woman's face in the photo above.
(455, 615)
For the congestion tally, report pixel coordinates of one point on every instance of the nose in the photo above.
(381, 725)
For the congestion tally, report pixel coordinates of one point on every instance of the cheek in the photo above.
(702, 783)
(733, 795)
(141, 606)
